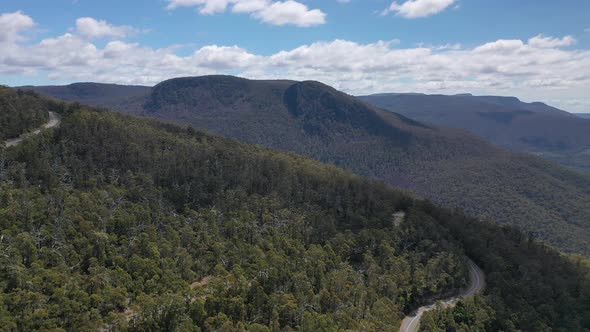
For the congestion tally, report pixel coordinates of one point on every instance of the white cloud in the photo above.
(224, 58)
(290, 12)
(287, 12)
(250, 6)
(206, 6)
(418, 8)
(549, 42)
(12, 24)
(538, 68)
(501, 46)
(95, 29)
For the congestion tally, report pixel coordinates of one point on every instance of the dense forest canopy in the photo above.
(135, 225)
(530, 287)
(20, 111)
(118, 223)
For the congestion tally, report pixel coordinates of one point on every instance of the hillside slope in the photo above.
(448, 166)
(20, 112)
(117, 223)
(506, 121)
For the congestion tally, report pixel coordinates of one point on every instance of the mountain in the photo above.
(506, 121)
(114, 96)
(583, 115)
(451, 167)
(111, 222)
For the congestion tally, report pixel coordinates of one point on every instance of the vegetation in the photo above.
(134, 225)
(116, 223)
(19, 112)
(529, 286)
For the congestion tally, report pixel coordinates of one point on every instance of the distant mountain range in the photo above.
(506, 121)
(117, 97)
(583, 115)
(449, 166)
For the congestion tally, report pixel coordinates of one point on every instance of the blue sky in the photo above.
(537, 50)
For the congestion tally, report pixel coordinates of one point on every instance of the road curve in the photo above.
(477, 285)
(53, 122)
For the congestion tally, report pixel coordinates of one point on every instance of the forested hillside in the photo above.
(116, 223)
(530, 289)
(134, 225)
(450, 167)
(505, 121)
(20, 112)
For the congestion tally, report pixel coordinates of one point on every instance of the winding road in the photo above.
(53, 122)
(412, 323)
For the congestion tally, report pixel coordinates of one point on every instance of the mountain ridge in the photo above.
(534, 128)
(449, 166)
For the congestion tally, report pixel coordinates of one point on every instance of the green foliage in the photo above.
(474, 314)
(135, 225)
(20, 111)
(530, 287)
(117, 223)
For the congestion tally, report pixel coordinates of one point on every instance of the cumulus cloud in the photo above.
(97, 29)
(418, 8)
(537, 68)
(549, 42)
(289, 12)
(502, 46)
(12, 25)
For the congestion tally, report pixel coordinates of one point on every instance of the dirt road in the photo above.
(53, 122)
(477, 285)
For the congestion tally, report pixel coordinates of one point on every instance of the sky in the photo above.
(537, 50)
